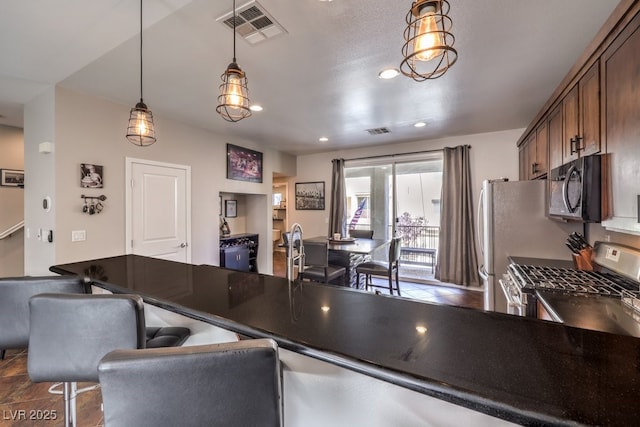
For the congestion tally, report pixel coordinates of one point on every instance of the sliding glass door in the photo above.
(399, 196)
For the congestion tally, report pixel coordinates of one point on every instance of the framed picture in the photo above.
(11, 178)
(243, 164)
(231, 208)
(91, 176)
(310, 195)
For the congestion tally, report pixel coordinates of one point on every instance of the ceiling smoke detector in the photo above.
(253, 23)
(378, 131)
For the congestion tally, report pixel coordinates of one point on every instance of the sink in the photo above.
(276, 234)
(600, 313)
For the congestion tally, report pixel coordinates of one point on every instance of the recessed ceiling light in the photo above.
(420, 124)
(388, 73)
(323, 139)
(255, 107)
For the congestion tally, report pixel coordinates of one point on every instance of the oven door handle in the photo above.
(514, 306)
(506, 288)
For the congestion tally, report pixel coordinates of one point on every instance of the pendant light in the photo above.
(234, 96)
(428, 49)
(141, 130)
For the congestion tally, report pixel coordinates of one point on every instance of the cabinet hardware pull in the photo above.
(578, 147)
(534, 168)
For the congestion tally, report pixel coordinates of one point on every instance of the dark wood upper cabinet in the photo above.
(590, 111)
(570, 125)
(621, 92)
(554, 122)
(581, 116)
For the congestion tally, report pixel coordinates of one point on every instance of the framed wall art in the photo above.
(310, 195)
(91, 176)
(11, 178)
(231, 208)
(244, 164)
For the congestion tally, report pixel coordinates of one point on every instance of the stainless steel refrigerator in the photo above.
(512, 221)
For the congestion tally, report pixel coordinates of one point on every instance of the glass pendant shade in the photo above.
(428, 49)
(141, 130)
(234, 96)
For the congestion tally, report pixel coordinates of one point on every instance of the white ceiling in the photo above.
(319, 79)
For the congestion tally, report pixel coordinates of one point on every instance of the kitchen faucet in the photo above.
(296, 233)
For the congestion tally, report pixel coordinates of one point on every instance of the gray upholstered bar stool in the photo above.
(14, 305)
(69, 334)
(231, 384)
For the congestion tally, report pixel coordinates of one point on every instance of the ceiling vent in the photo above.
(378, 131)
(253, 23)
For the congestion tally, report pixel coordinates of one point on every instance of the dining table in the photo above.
(349, 252)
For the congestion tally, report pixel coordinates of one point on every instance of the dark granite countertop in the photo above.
(524, 370)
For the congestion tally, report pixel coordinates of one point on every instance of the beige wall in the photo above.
(493, 155)
(11, 203)
(91, 130)
(40, 178)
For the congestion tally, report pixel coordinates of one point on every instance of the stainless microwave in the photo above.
(574, 190)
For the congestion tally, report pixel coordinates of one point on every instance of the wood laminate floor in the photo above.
(24, 403)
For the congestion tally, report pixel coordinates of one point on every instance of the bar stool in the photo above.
(14, 305)
(231, 384)
(69, 334)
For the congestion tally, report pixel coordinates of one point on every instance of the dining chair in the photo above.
(229, 384)
(379, 268)
(316, 264)
(361, 234)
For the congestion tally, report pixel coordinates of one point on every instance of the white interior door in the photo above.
(158, 210)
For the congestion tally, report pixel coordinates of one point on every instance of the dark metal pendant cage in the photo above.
(233, 101)
(428, 49)
(141, 130)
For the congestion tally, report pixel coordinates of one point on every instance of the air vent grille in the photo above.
(378, 131)
(253, 23)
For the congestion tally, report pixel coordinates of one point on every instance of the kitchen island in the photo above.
(522, 370)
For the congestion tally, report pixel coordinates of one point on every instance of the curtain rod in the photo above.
(399, 154)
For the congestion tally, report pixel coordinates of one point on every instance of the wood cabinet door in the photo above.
(622, 116)
(570, 124)
(523, 157)
(554, 122)
(542, 151)
(590, 111)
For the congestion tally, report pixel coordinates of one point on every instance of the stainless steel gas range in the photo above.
(616, 275)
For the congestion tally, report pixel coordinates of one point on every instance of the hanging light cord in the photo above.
(140, 50)
(234, 31)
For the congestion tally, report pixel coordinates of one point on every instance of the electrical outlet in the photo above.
(78, 235)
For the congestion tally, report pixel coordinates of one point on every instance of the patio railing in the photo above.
(419, 243)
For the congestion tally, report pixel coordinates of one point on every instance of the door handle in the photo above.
(183, 245)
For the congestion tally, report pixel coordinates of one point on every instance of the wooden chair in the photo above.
(379, 268)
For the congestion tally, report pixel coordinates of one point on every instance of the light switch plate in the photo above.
(78, 235)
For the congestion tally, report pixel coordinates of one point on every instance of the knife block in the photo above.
(582, 261)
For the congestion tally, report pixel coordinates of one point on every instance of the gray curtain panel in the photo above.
(457, 260)
(338, 214)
